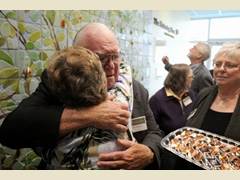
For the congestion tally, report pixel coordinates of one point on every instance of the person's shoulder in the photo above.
(139, 91)
(44, 73)
(207, 90)
(204, 94)
(137, 84)
(44, 77)
(191, 91)
(160, 94)
(202, 71)
(202, 67)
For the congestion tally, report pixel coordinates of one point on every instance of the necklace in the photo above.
(225, 102)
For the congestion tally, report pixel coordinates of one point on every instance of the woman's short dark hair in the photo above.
(77, 78)
(177, 77)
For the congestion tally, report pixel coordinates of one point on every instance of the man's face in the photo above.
(194, 53)
(110, 63)
(104, 43)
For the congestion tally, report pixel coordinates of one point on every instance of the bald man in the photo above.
(41, 119)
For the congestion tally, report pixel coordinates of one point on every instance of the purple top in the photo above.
(167, 110)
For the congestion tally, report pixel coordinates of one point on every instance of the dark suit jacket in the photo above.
(35, 122)
(202, 78)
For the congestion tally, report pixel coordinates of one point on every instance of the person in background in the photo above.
(76, 77)
(197, 55)
(172, 104)
(217, 108)
(41, 119)
(211, 72)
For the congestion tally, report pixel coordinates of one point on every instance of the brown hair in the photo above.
(177, 77)
(76, 77)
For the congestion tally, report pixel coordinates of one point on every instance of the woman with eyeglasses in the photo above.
(217, 109)
(172, 104)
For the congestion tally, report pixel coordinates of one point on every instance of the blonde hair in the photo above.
(231, 50)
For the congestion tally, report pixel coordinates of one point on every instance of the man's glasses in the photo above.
(226, 65)
(191, 77)
(195, 48)
(104, 58)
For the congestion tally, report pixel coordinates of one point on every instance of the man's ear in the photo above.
(199, 56)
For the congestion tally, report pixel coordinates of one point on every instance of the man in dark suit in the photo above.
(197, 55)
(41, 119)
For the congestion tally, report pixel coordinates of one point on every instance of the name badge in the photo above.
(139, 124)
(192, 113)
(186, 101)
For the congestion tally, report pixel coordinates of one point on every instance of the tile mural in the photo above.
(29, 38)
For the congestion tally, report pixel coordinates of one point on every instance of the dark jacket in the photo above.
(35, 122)
(203, 103)
(167, 110)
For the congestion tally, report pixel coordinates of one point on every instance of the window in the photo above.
(214, 50)
(199, 30)
(225, 28)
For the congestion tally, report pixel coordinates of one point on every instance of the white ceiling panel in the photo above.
(203, 14)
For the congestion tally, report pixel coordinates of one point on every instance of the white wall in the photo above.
(176, 48)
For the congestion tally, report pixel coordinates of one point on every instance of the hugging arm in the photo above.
(41, 119)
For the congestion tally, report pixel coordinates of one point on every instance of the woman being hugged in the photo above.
(172, 104)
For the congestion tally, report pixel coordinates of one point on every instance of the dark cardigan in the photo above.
(203, 102)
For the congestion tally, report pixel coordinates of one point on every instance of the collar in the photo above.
(193, 67)
(170, 93)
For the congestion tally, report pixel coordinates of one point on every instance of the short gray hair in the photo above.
(231, 50)
(205, 50)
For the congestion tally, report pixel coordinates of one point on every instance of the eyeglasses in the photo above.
(191, 77)
(226, 65)
(104, 58)
(195, 48)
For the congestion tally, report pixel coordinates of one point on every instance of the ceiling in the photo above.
(206, 14)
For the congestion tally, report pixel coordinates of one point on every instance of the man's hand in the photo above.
(110, 115)
(165, 60)
(107, 115)
(136, 156)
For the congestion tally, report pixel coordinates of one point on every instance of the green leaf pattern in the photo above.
(5, 29)
(13, 32)
(35, 36)
(11, 15)
(2, 40)
(21, 28)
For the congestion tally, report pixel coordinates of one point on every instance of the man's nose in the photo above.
(109, 63)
